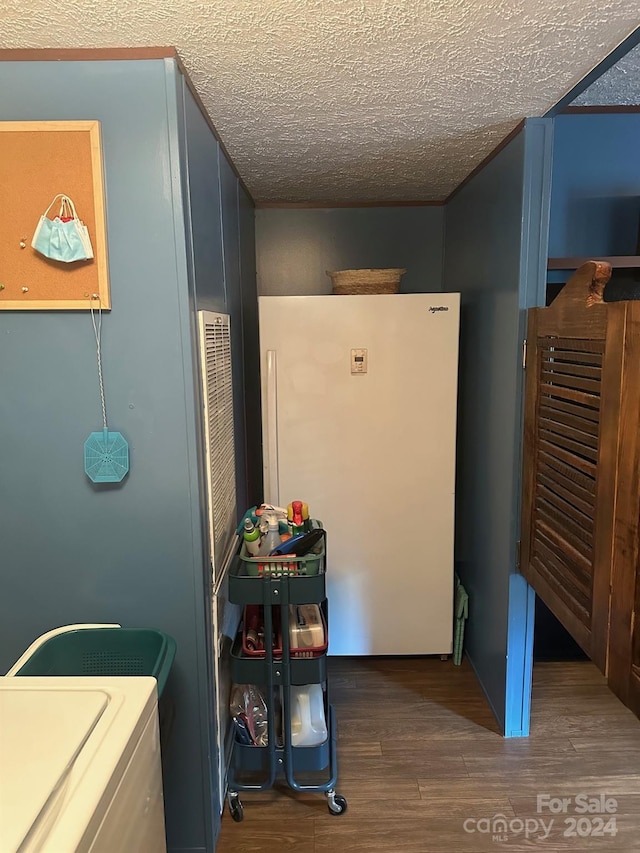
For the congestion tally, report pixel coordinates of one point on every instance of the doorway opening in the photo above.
(552, 643)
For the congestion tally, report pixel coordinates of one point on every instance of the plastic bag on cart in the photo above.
(249, 713)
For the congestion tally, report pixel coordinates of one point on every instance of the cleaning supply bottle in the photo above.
(272, 539)
(251, 536)
(271, 509)
(296, 517)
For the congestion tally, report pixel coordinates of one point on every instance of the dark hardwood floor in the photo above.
(420, 755)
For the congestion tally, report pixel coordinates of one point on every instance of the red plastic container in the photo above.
(253, 621)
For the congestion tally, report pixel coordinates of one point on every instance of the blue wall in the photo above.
(295, 247)
(132, 553)
(251, 352)
(595, 199)
(231, 230)
(202, 204)
(221, 255)
(495, 254)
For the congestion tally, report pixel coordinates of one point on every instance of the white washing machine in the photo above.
(80, 761)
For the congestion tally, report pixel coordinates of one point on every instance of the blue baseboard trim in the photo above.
(519, 657)
(515, 719)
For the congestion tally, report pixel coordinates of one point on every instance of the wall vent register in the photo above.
(215, 352)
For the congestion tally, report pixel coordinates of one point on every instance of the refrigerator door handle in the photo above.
(272, 486)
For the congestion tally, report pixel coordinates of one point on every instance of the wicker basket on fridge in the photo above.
(356, 282)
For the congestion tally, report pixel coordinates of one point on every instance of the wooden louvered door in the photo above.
(624, 623)
(572, 407)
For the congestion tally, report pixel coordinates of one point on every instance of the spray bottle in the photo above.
(251, 536)
(272, 538)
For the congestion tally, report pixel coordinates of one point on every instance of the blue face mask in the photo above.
(64, 238)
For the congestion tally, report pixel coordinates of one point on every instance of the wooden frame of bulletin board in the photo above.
(38, 160)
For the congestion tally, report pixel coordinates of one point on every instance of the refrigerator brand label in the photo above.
(434, 308)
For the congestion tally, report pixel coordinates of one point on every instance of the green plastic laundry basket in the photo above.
(105, 651)
(461, 614)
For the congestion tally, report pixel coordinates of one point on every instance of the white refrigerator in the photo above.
(359, 419)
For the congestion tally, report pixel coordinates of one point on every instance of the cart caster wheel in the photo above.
(235, 808)
(336, 804)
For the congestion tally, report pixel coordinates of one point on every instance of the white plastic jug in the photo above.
(308, 723)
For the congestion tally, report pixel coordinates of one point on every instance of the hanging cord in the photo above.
(97, 330)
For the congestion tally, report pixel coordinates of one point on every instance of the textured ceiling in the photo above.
(352, 100)
(619, 85)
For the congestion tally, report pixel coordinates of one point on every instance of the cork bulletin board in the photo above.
(38, 160)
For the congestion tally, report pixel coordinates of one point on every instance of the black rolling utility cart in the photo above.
(277, 588)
